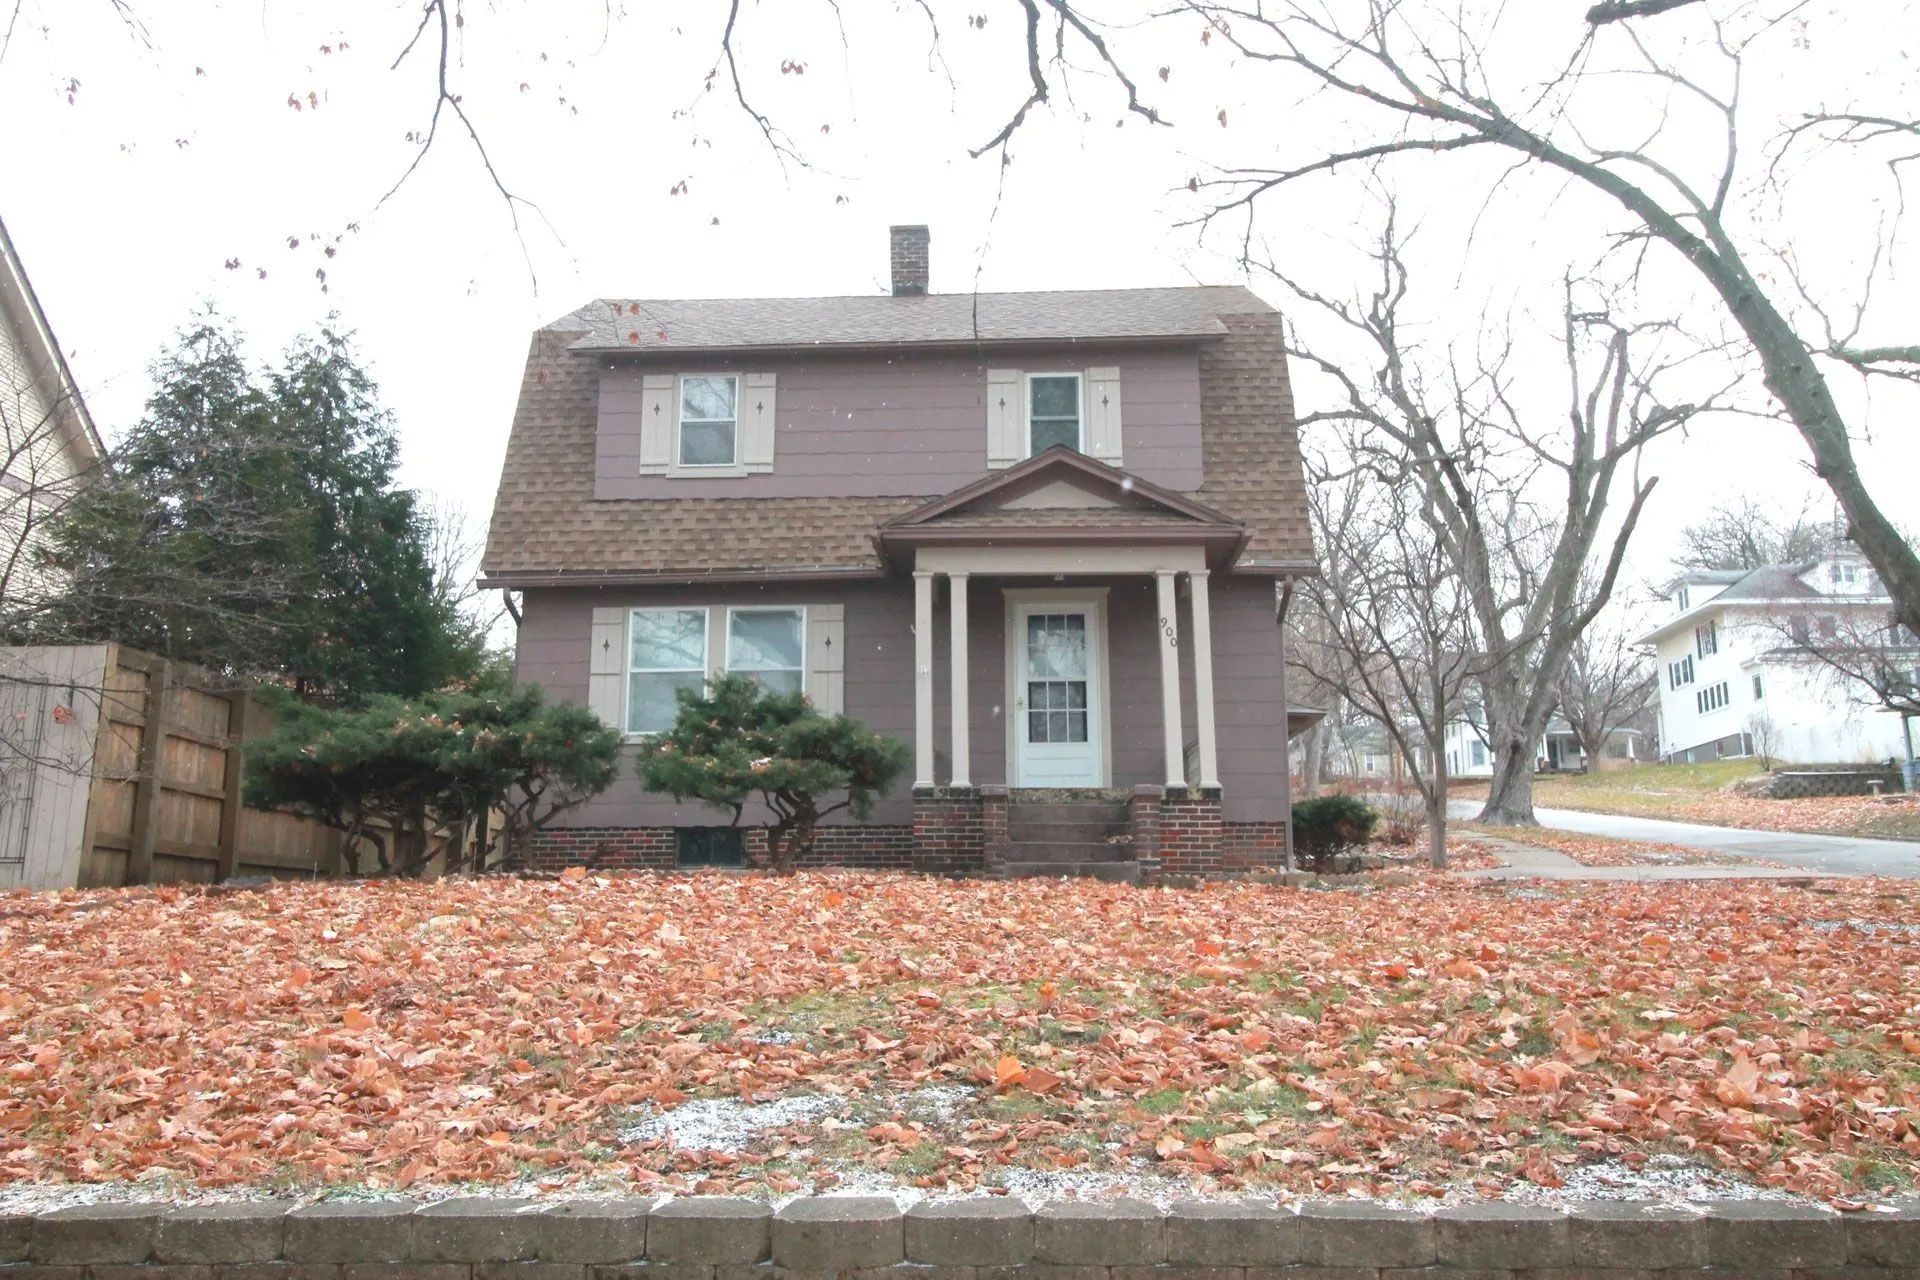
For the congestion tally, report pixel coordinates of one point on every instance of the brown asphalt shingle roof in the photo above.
(734, 324)
(546, 520)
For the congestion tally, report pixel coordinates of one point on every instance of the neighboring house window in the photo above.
(1799, 628)
(1683, 599)
(1679, 673)
(667, 651)
(1759, 691)
(769, 645)
(1479, 752)
(1828, 625)
(1711, 698)
(709, 420)
(1846, 573)
(1706, 639)
(1053, 411)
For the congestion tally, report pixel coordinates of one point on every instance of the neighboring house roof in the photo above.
(747, 324)
(1769, 584)
(548, 528)
(28, 319)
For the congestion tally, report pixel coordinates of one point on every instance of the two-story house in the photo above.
(1043, 537)
(1738, 673)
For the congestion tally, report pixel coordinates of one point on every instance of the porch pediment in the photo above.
(1063, 497)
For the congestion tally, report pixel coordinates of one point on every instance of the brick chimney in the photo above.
(909, 261)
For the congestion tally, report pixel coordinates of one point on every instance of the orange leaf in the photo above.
(1040, 1080)
(356, 1020)
(574, 873)
(1008, 1071)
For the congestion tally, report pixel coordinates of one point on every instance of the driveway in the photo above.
(1842, 855)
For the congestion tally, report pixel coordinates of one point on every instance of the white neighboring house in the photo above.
(1468, 755)
(1732, 677)
(48, 444)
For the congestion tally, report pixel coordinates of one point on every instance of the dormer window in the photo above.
(709, 420)
(1053, 412)
(1682, 597)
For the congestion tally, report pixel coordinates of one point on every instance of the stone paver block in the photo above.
(1231, 1233)
(829, 1234)
(1889, 1239)
(342, 1231)
(1494, 1234)
(476, 1229)
(1773, 1235)
(275, 1271)
(674, 1271)
(16, 1236)
(1100, 1233)
(91, 1233)
(594, 1231)
(406, 1271)
(221, 1233)
(529, 1271)
(715, 1230)
(1364, 1233)
(1636, 1235)
(990, 1231)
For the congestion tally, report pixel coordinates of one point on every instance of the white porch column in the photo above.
(1170, 678)
(922, 678)
(1202, 643)
(957, 678)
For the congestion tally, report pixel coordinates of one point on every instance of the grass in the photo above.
(1704, 793)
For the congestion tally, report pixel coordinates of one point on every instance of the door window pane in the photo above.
(1053, 411)
(769, 645)
(709, 420)
(667, 651)
(1057, 673)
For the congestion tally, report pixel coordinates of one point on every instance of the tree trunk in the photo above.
(1590, 753)
(1510, 793)
(1436, 799)
(1312, 760)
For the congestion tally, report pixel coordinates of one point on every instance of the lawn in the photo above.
(720, 1032)
(1704, 793)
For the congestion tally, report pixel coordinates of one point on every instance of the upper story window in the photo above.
(709, 420)
(770, 645)
(667, 651)
(1684, 599)
(1679, 673)
(1712, 698)
(1054, 412)
(1706, 639)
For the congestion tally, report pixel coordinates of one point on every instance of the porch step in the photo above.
(1039, 851)
(1119, 872)
(1064, 832)
(1111, 813)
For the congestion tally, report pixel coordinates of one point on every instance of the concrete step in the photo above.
(1068, 851)
(1098, 811)
(1119, 872)
(1070, 832)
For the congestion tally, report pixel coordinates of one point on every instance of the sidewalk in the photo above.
(1528, 862)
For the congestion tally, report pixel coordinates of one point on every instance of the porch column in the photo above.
(1170, 678)
(957, 678)
(922, 678)
(1203, 678)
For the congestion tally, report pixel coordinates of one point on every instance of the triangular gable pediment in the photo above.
(1060, 479)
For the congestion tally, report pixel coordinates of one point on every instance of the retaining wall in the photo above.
(988, 1238)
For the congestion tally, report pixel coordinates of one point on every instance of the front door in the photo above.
(1056, 696)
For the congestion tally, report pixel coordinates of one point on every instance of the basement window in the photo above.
(709, 847)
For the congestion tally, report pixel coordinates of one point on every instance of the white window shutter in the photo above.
(756, 423)
(1006, 418)
(1103, 414)
(826, 657)
(607, 667)
(662, 408)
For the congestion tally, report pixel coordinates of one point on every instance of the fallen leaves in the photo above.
(1417, 1036)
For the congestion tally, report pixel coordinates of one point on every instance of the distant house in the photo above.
(1737, 671)
(1559, 749)
(48, 443)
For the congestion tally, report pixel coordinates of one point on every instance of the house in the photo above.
(1559, 750)
(48, 444)
(1046, 538)
(1739, 673)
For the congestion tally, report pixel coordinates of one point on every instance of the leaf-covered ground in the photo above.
(1399, 1040)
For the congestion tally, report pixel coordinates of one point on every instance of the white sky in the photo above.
(174, 157)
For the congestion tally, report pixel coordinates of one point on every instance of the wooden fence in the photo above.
(117, 767)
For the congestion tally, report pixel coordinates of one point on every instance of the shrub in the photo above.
(733, 741)
(1328, 830)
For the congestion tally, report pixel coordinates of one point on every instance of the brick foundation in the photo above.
(950, 830)
(874, 848)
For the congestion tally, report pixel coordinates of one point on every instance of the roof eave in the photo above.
(631, 350)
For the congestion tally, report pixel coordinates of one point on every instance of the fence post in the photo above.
(146, 787)
(229, 858)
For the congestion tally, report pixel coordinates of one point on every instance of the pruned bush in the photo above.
(1330, 831)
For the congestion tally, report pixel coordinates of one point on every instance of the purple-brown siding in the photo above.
(1250, 714)
(911, 424)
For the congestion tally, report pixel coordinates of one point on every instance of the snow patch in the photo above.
(729, 1125)
(1663, 1177)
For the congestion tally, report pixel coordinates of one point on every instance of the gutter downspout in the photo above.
(1286, 734)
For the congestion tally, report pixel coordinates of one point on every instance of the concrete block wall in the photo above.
(987, 1238)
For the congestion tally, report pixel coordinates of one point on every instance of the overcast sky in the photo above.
(140, 164)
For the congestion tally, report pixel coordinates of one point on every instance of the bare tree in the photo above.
(1743, 533)
(1393, 622)
(1604, 684)
(1517, 498)
(1854, 649)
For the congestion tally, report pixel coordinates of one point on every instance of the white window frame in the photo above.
(677, 467)
(1712, 698)
(1684, 597)
(726, 637)
(627, 675)
(1706, 639)
(1026, 407)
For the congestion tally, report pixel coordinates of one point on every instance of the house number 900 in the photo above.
(1167, 629)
